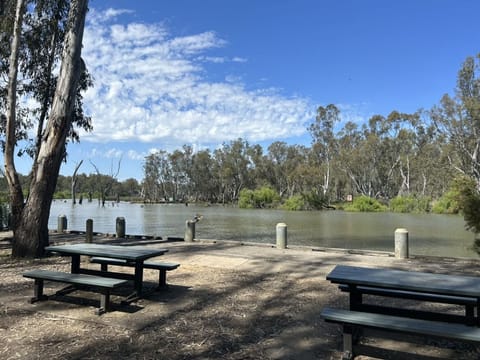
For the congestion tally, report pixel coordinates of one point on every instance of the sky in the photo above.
(188, 72)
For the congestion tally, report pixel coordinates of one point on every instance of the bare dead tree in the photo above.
(105, 182)
(74, 182)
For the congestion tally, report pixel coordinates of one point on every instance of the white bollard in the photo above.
(401, 243)
(281, 236)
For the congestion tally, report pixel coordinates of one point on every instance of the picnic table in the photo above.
(400, 284)
(134, 255)
(430, 287)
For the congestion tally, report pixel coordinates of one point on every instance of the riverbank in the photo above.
(226, 301)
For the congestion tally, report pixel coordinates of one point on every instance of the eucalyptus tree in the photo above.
(151, 178)
(158, 180)
(277, 162)
(233, 169)
(37, 39)
(431, 171)
(203, 182)
(324, 140)
(458, 119)
(180, 162)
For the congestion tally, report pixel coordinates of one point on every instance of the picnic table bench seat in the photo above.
(163, 267)
(351, 320)
(468, 302)
(100, 284)
(413, 295)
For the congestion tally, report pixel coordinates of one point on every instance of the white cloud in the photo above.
(151, 86)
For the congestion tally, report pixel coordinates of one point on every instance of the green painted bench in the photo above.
(102, 285)
(163, 267)
(352, 320)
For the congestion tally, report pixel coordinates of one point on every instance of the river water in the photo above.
(429, 234)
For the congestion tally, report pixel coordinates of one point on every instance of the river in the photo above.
(429, 234)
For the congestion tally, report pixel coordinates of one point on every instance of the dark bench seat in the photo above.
(100, 284)
(163, 267)
(469, 302)
(352, 320)
(447, 299)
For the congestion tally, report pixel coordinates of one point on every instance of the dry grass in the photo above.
(208, 313)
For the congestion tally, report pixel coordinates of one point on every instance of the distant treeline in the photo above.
(414, 157)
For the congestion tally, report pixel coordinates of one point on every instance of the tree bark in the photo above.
(31, 232)
(13, 180)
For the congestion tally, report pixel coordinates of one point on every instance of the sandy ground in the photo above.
(225, 301)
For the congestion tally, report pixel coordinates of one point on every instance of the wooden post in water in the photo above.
(62, 223)
(401, 243)
(189, 230)
(89, 232)
(120, 227)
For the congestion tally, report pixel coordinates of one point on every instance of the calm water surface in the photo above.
(429, 234)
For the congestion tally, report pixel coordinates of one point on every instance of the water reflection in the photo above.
(429, 234)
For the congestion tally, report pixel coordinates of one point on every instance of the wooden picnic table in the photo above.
(450, 289)
(135, 255)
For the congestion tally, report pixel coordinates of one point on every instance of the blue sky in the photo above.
(175, 72)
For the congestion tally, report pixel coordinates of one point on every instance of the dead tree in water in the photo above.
(74, 182)
(105, 182)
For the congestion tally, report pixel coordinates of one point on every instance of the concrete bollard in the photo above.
(189, 230)
(120, 227)
(62, 223)
(89, 231)
(401, 243)
(281, 236)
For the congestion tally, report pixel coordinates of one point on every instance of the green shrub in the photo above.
(365, 204)
(294, 203)
(410, 204)
(246, 200)
(62, 195)
(447, 204)
(315, 201)
(468, 198)
(264, 197)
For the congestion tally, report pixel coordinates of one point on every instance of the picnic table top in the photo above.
(459, 285)
(132, 253)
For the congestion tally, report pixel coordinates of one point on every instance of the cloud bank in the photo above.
(152, 86)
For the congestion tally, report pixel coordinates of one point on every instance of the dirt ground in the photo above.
(225, 301)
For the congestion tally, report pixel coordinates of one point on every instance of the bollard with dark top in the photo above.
(62, 223)
(120, 227)
(89, 232)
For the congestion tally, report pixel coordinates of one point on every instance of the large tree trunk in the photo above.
(13, 180)
(31, 232)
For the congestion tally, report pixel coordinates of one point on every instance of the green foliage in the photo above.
(294, 203)
(315, 201)
(265, 197)
(365, 204)
(64, 194)
(468, 197)
(410, 204)
(246, 199)
(447, 204)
